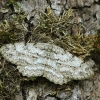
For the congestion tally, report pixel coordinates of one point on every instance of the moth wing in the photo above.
(19, 54)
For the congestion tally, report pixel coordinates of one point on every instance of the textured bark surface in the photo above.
(42, 89)
(86, 12)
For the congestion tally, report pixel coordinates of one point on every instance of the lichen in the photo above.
(53, 28)
(50, 28)
(95, 54)
(10, 80)
(14, 2)
(11, 29)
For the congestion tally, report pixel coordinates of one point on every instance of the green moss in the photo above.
(14, 2)
(12, 30)
(49, 25)
(6, 37)
(96, 52)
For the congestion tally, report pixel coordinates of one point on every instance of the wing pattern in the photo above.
(47, 60)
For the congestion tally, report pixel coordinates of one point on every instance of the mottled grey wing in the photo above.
(47, 60)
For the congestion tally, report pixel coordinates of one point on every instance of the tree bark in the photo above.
(86, 12)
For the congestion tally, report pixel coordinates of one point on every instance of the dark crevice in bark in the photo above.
(49, 3)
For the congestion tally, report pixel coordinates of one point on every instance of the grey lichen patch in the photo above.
(47, 60)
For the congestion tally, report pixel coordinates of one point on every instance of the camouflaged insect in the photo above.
(47, 60)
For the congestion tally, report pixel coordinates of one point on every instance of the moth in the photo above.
(47, 60)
